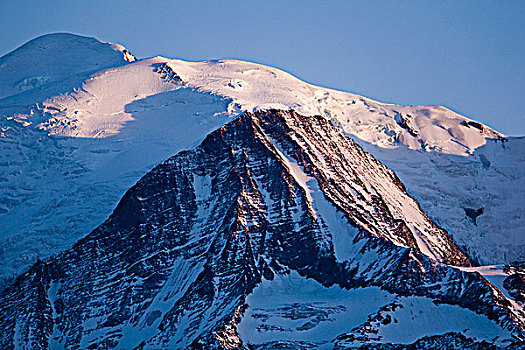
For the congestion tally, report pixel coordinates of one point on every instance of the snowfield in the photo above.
(292, 308)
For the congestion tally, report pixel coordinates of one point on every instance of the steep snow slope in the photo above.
(54, 190)
(490, 183)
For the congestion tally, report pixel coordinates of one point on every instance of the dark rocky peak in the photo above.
(370, 194)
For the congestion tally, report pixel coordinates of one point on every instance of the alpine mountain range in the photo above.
(164, 204)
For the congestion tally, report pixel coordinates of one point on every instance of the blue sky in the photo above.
(466, 55)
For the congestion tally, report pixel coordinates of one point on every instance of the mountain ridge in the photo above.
(226, 204)
(111, 105)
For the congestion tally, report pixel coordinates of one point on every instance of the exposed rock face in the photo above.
(172, 266)
(473, 214)
(168, 74)
(404, 122)
(449, 341)
(515, 284)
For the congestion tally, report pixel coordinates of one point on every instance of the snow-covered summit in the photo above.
(53, 57)
(254, 87)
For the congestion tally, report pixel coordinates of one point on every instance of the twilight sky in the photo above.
(466, 55)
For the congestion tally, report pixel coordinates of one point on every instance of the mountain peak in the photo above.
(272, 195)
(53, 57)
